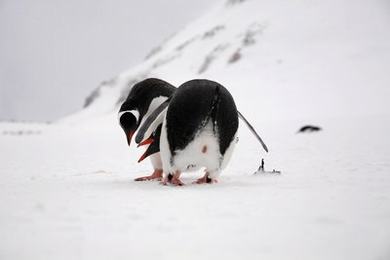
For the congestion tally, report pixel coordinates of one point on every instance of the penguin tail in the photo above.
(214, 108)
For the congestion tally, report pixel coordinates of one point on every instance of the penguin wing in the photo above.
(152, 122)
(252, 130)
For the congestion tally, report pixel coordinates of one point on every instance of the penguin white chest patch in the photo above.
(153, 105)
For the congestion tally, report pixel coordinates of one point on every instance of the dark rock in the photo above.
(309, 129)
(235, 56)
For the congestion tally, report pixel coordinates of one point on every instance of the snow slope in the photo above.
(300, 59)
(66, 189)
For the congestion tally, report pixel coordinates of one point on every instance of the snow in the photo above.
(68, 193)
(297, 60)
(67, 189)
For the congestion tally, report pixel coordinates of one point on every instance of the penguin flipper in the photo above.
(252, 130)
(152, 122)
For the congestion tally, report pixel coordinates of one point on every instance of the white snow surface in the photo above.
(68, 193)
(67, 189)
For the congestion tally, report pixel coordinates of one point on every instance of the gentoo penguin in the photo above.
(144, 97)
(199, 128)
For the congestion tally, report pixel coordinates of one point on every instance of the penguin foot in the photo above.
(177, 182)
(167, 179)
(173, 179)
(205, 179)
(156, 175)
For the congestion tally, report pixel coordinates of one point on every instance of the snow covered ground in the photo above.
(67, 193)
(67, 189)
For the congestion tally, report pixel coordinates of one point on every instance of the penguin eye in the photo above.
(128, 118)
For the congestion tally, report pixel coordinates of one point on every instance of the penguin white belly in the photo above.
(203, 151)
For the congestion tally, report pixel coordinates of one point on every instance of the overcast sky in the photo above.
(54, 52)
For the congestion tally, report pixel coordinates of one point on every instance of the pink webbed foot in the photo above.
(177, 182)
(173, 179)
(156, 175)
(205, 179)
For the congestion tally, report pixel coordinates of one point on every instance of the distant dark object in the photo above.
(309, 129)
(261, 169)
(211, 57)
(236, 56)
(233, 2)
(96, 92)
(213, 31)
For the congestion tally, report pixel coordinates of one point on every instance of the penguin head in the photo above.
(138, 102)
(154, 141)
(129, 119)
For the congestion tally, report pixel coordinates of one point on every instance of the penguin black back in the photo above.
(142, 94)
(194, 104)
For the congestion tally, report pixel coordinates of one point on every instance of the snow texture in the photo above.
(67, 189)
(68, 193)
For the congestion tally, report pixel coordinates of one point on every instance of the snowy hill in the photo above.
(299, 59)
(67, 189)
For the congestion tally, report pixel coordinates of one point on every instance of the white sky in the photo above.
(53, 52)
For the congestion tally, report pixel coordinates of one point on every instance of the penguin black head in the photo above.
(128, 120)
(138, 103)
(154, 141)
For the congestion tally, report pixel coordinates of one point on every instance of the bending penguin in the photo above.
(199, 129)
(142, 100)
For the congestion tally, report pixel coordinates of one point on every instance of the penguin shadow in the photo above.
(128, 182)
(125, 181)
(189, 183)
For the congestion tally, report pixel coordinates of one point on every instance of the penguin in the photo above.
(199, 125)
(199, 130)
(144, 97)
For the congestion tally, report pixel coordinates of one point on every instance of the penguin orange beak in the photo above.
(143, 157)
(152, 149)
(145, 142)
(129, 135)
